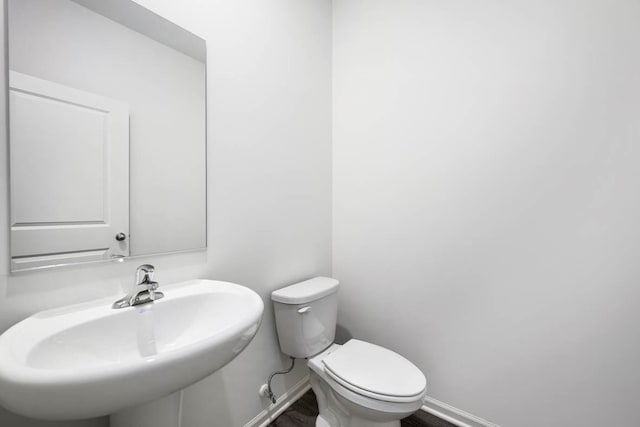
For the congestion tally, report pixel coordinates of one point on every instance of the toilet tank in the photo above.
(306, 315)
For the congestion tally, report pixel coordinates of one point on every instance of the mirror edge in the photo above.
(5, 156)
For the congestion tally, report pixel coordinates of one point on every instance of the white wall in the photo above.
(486, 200)
(269, 189)
(66, 43)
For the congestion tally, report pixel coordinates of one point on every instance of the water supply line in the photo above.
(268, 392)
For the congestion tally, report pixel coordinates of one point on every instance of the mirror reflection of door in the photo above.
(114, 52)
(69, 176)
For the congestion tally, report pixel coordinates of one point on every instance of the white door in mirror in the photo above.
(58, 134)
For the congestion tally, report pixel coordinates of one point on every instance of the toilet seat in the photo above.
(376, 372)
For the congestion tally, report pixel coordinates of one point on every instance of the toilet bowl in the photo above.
(357, 384)
(360, 384)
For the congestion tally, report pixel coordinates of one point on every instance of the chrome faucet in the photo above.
(144, 289)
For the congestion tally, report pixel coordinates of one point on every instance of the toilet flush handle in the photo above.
(305, 309)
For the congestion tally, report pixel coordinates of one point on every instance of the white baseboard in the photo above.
(439, 409)
(270, 413)
(454, 415)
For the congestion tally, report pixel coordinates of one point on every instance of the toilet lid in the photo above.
(374, 369)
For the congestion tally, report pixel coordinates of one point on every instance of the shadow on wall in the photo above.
(207, 403)
(342, 335)
(10, 419)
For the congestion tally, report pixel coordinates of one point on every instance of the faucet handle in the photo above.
(144, 273)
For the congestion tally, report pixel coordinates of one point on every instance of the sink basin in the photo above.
(90, 360)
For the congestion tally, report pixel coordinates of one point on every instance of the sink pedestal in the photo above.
(163, 412)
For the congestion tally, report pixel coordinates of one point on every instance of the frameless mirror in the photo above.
(107, 133)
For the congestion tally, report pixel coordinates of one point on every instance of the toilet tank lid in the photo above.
(307, 291)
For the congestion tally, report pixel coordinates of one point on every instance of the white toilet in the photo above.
(357, 384)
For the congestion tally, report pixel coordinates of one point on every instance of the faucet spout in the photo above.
(144, 290)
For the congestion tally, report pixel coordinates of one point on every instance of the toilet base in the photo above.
(321, 422)
(335, 411)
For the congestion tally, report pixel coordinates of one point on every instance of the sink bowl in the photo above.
(90, 360)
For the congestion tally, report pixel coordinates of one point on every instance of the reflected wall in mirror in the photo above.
(107, 133)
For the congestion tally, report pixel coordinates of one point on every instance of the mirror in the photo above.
(107, 133)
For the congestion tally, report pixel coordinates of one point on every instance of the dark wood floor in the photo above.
(304, 411)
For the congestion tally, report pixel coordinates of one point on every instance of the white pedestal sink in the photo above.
(90, 360)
